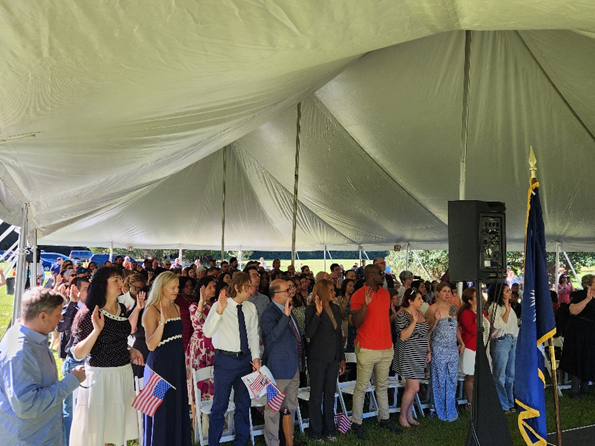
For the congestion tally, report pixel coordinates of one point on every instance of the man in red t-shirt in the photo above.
(370, 309)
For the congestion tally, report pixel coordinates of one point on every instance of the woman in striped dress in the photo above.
(411, 351)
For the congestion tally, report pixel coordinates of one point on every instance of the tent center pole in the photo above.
(223, 203)
(465, 118)
(111, 251)
(296, 180)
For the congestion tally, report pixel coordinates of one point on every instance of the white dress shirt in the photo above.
(224, 329)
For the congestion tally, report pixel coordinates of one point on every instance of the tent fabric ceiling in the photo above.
(113, 116)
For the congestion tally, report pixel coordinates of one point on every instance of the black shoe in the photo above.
(386, 424)
(358, 431)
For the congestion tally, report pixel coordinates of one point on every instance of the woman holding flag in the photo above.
(170, 423)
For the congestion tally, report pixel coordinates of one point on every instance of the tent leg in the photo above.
(111, 251)
(324, 256)
(407, 257)
(240, 259)
(20, 275)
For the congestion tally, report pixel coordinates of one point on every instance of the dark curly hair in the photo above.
(98, 287)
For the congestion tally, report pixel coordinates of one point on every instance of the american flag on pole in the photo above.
(151, 397)
(259, 383)
(342, 422)
(274, 397)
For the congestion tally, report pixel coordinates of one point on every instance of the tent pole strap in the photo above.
(223, 203)
(296, 179)
(465, 120)
(20, 274)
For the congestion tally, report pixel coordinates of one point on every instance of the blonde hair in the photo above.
(162, 280)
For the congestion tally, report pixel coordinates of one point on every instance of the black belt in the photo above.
(235, 354)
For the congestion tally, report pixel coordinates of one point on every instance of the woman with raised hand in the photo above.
(200, 352)
(578, 355)
(411, 351)
(135, 299)
(163, 328)
(467, 318)
(326, 358)
(104, 412)
(444, 338)
(503, 343)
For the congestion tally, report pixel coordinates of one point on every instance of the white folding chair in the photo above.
(204, 408)
(256, 430)
(348, 387)
(138, 386)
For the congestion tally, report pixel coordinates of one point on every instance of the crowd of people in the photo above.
(123, 320)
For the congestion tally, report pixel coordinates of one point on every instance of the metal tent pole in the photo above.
(33, 271)
(407, 257)
(296, 180)
(8, 231)
(20, 275)
(111, 251)
(324, 254)
(223, 203)
(180, 253)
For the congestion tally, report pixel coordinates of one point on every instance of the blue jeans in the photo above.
(67, 409)
(503, 358)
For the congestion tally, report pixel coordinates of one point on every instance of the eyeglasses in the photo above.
(291, 287)
(283, 291)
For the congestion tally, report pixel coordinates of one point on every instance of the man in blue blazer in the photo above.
(284, 355)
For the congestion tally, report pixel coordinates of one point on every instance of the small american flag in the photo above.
(151, 397)
(274, 397)
(342, 422)
(259, 383)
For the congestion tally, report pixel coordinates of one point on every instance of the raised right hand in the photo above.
(318, 302)
(222, 302)
(415, 316)
(79, 372)
(74, 293)
(437, 315)
(97, 319)
(203, 298)
(368, 296)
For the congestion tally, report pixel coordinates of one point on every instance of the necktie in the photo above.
(298, 338)
(243, 334)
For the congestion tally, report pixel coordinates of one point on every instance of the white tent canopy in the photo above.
(113, 115)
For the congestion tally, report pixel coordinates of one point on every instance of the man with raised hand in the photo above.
(370, 309)
(284, 355)
(232, 323)
(30, 394)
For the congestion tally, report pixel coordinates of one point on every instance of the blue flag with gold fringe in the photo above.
(538, 325)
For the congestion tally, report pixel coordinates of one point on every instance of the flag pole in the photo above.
(550, 341)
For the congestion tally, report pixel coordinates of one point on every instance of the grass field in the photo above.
(574, 413)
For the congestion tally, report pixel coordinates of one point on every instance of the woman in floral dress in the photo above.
(200, 352)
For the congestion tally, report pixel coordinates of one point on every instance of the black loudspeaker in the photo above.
(476, 240)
